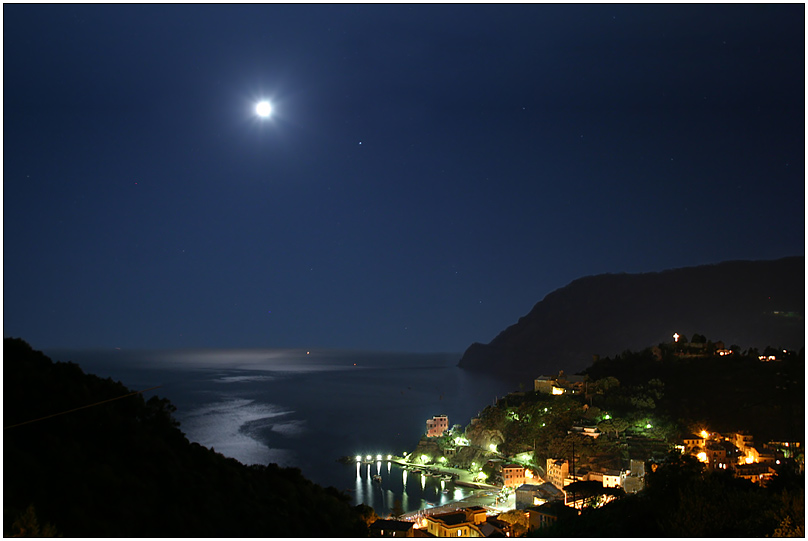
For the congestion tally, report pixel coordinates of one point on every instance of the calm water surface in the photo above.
(307, 409)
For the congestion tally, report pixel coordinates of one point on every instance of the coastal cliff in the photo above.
(747, 303)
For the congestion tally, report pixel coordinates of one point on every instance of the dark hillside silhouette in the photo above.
(748, 303)
(123, 468)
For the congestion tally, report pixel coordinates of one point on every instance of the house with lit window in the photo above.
(462, 523)
(611, 479)
(693, 442)
(590, 431)
(560, 384)
(756, 473)
(436, 426)
(557, 470)
(544, 384)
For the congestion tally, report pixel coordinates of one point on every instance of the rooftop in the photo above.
(452, 518)
(397, 525)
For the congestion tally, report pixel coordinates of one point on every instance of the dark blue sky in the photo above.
(430, 172)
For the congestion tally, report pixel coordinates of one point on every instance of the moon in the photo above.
(263, 109)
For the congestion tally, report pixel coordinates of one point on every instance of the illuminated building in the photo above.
(513, 475)
(529, 495)
(557, 471)
(560, 384)
(462, 523)
(437, 426)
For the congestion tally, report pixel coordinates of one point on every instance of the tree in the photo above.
(602, 385)
(698, 339)
(615, 423)
(366, 513)
(787, 529)
(27, 525)
(518, 521)
(397, 510)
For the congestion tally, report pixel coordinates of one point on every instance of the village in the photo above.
(522, 491)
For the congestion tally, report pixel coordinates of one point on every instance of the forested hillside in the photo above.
(123, 468)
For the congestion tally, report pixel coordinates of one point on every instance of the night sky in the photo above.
(428, 173)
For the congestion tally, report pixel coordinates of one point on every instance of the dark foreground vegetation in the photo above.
(124, 469)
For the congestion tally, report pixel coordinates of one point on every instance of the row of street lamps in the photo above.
(370, 457)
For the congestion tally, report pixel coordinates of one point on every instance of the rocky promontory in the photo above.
(745, 303)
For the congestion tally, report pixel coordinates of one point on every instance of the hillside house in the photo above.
(612, 479)
(587, 494)
(461, 523)
(742, 440)
(787, 449)
(633, 479)
(547, 514)
(607, 478)
(590, 431)
(493, 527)
(391, 528)
(756, 473)
(513, 475)
(531, 495)
(557, 471)
(693, 442)
(560, 384)
(437, 426)
(544, 384)
(717, 455)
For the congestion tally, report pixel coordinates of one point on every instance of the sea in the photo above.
(309, 408)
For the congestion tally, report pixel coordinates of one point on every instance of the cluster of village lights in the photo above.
(702, 456)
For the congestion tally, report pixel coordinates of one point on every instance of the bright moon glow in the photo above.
(263, 109)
